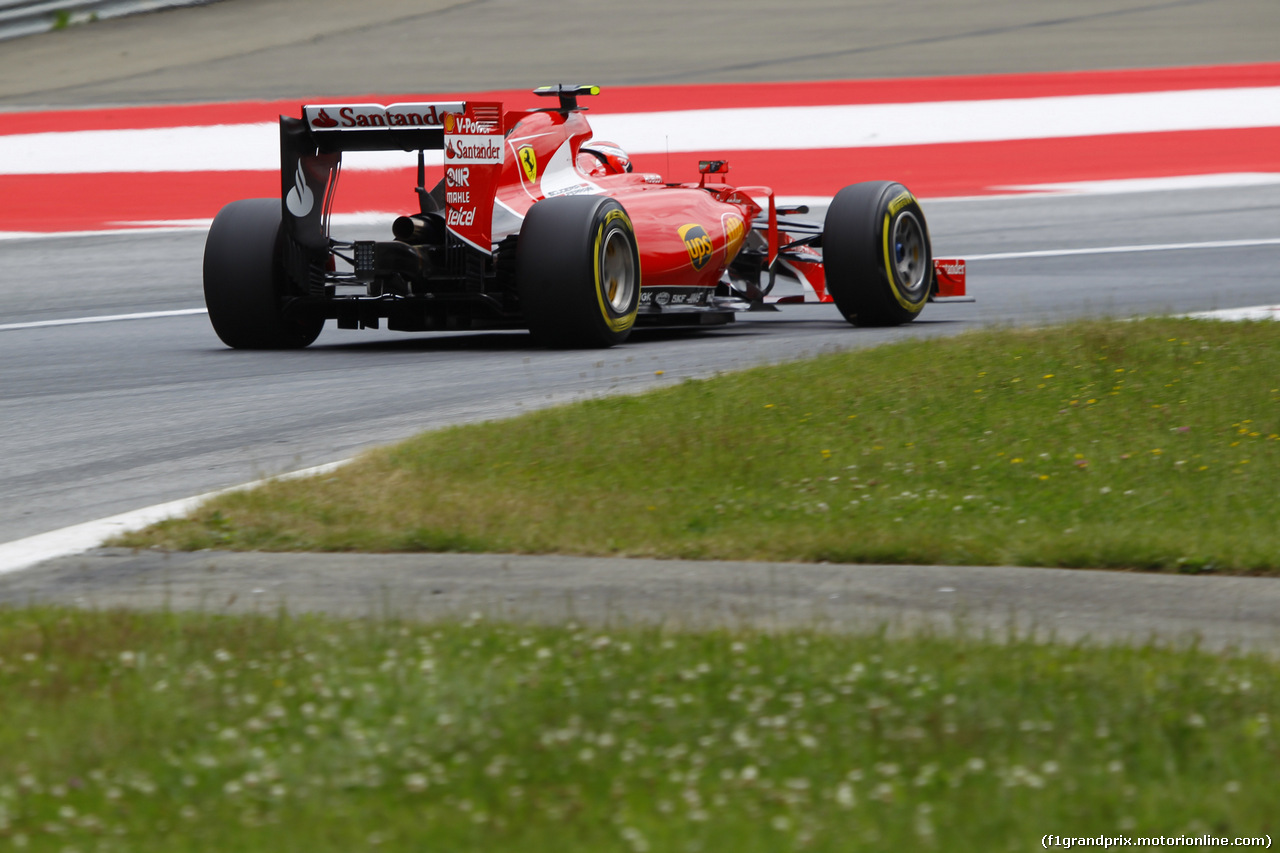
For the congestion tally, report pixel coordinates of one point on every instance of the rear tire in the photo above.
(244, 283)
(578, 272)
(876, 252)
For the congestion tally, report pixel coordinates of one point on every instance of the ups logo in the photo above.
(699, 244)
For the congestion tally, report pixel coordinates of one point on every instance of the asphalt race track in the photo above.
(103, 417)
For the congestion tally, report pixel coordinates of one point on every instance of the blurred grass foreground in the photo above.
(197, 732)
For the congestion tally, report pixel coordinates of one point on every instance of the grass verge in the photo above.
(125, 731)
(1151, 444)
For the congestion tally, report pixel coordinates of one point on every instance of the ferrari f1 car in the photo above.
(536, 225)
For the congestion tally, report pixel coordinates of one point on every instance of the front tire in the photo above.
(244, 283)
(578, 272)
(876, 252)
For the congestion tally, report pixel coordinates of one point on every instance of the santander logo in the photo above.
(323, 120)
(379, 117)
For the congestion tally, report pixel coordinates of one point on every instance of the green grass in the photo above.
(182, 732)
(1152, 444)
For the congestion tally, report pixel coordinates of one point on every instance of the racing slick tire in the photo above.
(244, 285)
(876, 252)
(578, 272)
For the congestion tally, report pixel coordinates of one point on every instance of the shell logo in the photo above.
(734, 232)
(449, 122)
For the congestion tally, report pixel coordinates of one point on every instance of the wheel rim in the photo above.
(618, 271)
(909, 251)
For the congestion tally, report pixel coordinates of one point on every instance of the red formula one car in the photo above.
(536, 225)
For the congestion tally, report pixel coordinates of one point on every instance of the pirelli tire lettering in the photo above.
(617, 270)
(876, 253)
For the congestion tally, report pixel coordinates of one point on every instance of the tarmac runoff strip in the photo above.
(996, 602)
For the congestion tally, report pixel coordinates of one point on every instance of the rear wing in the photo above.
(470, 133)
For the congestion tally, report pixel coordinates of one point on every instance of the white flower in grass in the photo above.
(416, 783)
(923, 823)
(845, 798)
(635, 838)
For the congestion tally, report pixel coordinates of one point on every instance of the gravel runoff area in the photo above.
(1062, 604)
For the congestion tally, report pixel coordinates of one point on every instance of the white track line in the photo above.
(178, 226)
(105, 318)
(25, 553)
(1121, 186)
(1236, 315)
(1120, 250)
(125, 228)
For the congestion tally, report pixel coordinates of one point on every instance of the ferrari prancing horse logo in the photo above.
(529, 162)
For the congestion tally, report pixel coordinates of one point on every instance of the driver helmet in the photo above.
(599, 157)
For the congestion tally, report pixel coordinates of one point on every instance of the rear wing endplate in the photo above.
(469, 133)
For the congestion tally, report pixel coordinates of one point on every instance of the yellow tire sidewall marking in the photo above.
(625, 321)
(890, 267)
